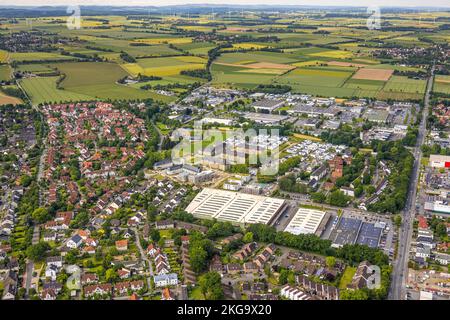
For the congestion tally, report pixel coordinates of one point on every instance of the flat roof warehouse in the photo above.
(234, 207)
(307, 221)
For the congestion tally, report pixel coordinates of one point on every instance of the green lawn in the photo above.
(347, 276)
(196, 294)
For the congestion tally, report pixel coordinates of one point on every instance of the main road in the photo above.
(400, 272)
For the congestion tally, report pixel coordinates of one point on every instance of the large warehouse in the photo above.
(306, 221)
(235, 207)
(351, 231)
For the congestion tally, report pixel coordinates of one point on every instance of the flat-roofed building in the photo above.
(225, 122)
(265, 118)
(237, 208)
(267, 105)
(439, 161)
(306, 221)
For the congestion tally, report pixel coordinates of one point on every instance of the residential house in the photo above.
(163, 280)
(122, 245)
(100, 289)
(88, 278)
(75, 242)
(233, 268)
(48, 294)
(164, 224)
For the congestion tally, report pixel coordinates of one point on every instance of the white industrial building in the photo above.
(235, 207)
(306, 221)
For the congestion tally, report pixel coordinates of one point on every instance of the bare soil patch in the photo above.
(373, 74)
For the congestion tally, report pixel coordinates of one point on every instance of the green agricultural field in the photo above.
(38, 56)
(89, 73)
(230, 76)
(313, 53)
(441, 84)
(167, 66)
(316, 78)
(98, 80)
(5, 72)
(405, 85)
(271, 57)
(371, 85)
(43, 89)
(118, 45)
(34, 68)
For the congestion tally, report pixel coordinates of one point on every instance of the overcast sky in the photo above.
(409, 3)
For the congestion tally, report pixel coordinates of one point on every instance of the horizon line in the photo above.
(226, 5)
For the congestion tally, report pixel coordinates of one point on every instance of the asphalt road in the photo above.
(28, 277)
(400, 272)
(145, 257)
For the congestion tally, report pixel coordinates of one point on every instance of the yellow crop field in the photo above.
(133, 68)
(4, 56)
(306, 137)
(248, 45)
(191, 59)
(338, 54)
(164, 40)
(87, 23)
(171, 70)
(197, 28)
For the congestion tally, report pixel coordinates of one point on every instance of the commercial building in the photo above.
(438, 206)
(225, 122)
(238, 208)
(438, 161)
(265, 118)
(267, 105)
(351, 231)
(307, 221)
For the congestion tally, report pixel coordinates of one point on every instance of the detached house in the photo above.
(75, 242)
(122, 245)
